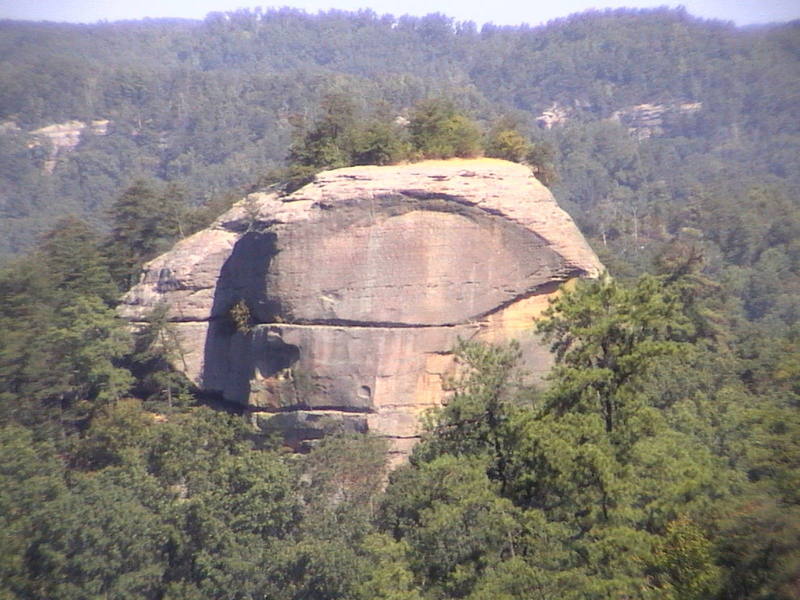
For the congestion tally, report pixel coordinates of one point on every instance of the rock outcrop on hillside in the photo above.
(358, 285)
(64, 137)
(647, 120)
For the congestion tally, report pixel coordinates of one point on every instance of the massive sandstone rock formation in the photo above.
(358, 286)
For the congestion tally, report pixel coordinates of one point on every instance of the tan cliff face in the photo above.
(359, 285)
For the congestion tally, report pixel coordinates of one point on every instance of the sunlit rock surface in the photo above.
(359, 285)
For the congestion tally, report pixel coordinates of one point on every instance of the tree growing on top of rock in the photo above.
(327, 142)
(505, 141)
(439, 130)
(343, 136)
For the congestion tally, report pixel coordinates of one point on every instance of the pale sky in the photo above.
(501, 12)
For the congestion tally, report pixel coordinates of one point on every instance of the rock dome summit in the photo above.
(341, 302)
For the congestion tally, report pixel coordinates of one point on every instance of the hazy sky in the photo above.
(501, 12)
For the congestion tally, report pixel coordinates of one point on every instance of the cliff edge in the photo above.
(357, 286)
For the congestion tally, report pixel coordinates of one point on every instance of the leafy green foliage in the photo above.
(380, 143)
(342, 136)
(438, 130)
(30, 476)
(508, 144)
(72, 257)
(328, 143)
(210, 105)
(151, 507)
(661, 461)
(240, 317)
(87, 345)
(685, 557)
(758, 546)
(614, 484)
(604, 337)
(98, 539)
(476, 422)
(63, 346)
(390, 576)
(454, 522)
(688, 494)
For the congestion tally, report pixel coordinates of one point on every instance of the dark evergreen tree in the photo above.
(144, 221)
(71, 253)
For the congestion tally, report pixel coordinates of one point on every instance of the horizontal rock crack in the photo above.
(328, 410)
(547, 288)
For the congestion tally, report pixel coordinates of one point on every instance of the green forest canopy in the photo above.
(661, 459)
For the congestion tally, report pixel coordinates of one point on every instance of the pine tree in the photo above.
(145, 221)
(71, 254)
(604, 336)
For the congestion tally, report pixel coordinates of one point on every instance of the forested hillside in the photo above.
(212, 105)
(661, 459)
